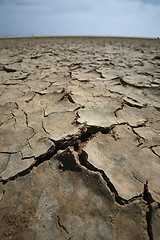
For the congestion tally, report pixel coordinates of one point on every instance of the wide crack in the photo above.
(77, 142)
(83, 158)
(149, 200)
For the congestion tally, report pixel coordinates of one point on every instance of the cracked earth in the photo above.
(79, 138)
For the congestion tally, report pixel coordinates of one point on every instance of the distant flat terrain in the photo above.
(79, 138)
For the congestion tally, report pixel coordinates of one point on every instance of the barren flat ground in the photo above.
(79, 138)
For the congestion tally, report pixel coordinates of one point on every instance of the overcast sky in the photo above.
(80, 17)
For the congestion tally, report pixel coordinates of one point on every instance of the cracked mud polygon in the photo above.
(79, 138)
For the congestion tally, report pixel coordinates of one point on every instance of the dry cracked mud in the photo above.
(79, 138)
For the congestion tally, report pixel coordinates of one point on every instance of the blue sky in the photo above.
(80, 17)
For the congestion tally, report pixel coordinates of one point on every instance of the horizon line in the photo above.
(78, 35)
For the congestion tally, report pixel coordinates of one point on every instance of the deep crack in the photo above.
(83, 158)
(149, 200)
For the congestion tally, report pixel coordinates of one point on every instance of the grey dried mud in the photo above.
(79, 138)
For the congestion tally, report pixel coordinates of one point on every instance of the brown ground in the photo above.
(79, 138)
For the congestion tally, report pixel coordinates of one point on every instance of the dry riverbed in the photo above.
(79, 138)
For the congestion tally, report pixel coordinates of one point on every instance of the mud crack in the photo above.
(83, 158)
(7, 69)
(149, 200)
(67, 96)
(61, 226)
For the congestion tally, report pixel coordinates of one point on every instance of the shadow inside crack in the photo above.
(67, 161)
(83, 158)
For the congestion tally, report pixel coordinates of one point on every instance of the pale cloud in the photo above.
(85, 17)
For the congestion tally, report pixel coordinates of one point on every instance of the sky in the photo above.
(139, 18)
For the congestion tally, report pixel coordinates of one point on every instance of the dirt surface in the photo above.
(79, 138)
